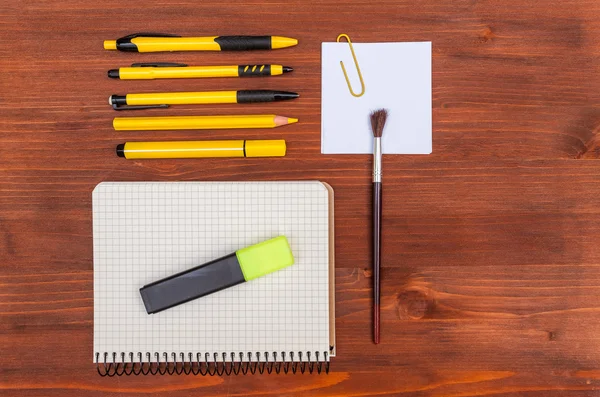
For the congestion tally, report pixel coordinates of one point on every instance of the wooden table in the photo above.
(491, 252)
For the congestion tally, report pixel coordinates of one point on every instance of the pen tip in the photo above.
(285, 95)
(282, 42)
(288, 69)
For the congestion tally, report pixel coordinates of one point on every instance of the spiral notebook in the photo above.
(145, 231)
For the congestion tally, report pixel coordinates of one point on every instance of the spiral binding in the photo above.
(211, 365)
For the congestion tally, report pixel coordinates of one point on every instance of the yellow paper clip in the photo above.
(362, 83)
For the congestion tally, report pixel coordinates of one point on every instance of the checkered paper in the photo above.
(145, 231)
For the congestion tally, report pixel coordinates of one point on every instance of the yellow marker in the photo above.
(164, 99)
(149, 71)
(198, 149)
(200, 122)
(157, 42)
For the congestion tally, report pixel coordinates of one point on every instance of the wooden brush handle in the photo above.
(376, 256)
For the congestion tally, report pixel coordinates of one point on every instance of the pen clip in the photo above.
(158, 65)
(116, 106)
(145, 34)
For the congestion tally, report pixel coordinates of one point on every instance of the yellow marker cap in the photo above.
(110, 44)
(266, 148)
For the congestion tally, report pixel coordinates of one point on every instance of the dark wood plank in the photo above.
(491, 266)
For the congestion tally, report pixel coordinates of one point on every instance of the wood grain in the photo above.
(491, 245)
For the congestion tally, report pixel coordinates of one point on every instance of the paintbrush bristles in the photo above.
(378, 118)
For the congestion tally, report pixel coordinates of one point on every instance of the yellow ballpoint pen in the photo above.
(165, 99)
(157, 42)
(200, 122)
(164, 70)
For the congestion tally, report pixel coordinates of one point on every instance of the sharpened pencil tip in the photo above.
(282, 120)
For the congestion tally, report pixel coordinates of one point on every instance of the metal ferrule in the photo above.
(377, 160)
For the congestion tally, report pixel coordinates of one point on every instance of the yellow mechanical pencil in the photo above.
(157, 42)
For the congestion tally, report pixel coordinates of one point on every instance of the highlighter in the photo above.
(243, 265)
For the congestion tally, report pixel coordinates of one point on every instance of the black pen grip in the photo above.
(250, 96)
(244, 43)
(254, 70)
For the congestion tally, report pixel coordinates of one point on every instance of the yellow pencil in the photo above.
(149, 71)
(157, 42)
(200, 122)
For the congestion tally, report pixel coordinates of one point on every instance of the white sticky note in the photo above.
(397, 77)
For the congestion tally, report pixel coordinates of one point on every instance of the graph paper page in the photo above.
(145, 231)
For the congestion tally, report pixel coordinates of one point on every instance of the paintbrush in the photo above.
(378, 118)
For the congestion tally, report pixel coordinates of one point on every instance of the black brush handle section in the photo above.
(376, 257)
(250, 96)
(254, 70)
(244, 43)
